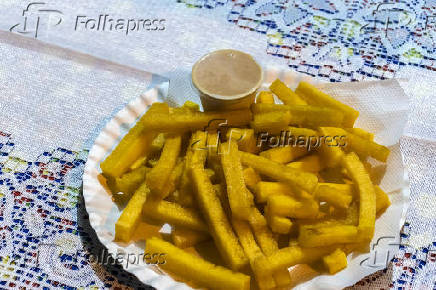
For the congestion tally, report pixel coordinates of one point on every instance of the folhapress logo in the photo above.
(39, 18)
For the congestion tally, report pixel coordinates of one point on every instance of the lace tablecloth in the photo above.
(66, 69)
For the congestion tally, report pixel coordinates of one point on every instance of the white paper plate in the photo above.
(103, 212)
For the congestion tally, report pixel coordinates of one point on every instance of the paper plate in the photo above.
(103, 213)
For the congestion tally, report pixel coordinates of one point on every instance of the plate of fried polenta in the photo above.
(294, 192)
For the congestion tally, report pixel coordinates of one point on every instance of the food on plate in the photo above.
(185, 238)
(314, 96)
(265, 98)
(131, 215)
(134, 145)
(336, 261)
(303, 115)
(270, 188)
(196, 269)
(285, 94)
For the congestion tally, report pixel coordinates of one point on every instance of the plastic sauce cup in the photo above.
(226, 79)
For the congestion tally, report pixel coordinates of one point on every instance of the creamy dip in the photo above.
(227, 74)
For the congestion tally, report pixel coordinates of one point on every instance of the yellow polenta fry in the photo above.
(139, 162)
(219, 225)
(251, 178)
(284, 205)
(336, 261)
(246, 139)
(272, 122)
(240, 199)
(303, 115)
(195, 269)
(305, 180)
(157, 178)
(133, 146)
(174, 214)
(173, 180)
(311, 163)
(314, 96)
(123, 187)
(278, 224)
(256, 218)
(199, 149)
(264, 189)
(361, 133)
(157, 144)
(337, 195)
(185, 238)
(382, 200)
(291, 256)
(268, 244)
(285, 94)
(196, 154)
(265, 98)
(330, 151)
(179, 122)
(131, 215)
(188, 106)
(367, 197)
(284, 154)
(361, 146)
(252, 251)
(323, 236)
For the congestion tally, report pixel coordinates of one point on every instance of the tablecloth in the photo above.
(47, 128)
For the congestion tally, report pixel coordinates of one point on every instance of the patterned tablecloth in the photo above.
(67, 67)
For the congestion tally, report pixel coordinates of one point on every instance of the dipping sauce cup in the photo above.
(226, 80)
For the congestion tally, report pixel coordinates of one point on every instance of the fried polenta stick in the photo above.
(240, 199)
(331, 154)
(306, 116)
(131, 214)
(272, 122)
(367, 197)
(291, 256)
(285, 94)
(174, 214)
(185, 238)
(292, 150)
(246, 139)
(219, 225)
(361, 133)
(265, 98)
(252, 251)
(134, 145)
(311, 163)
(173, 180)
(338, 195)
(382, 200)
(305, 180)
(362, 146)
(179, 122)
(195, 269)
(314, 96)
(157, 178)
(278, 224)
(268, 244)
(123, 187)
(324, 236)
(264, 189)
(284, 154)
(251, 178)
(284, 205)
(336, 261)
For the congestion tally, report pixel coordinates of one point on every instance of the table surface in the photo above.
(40, 177)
